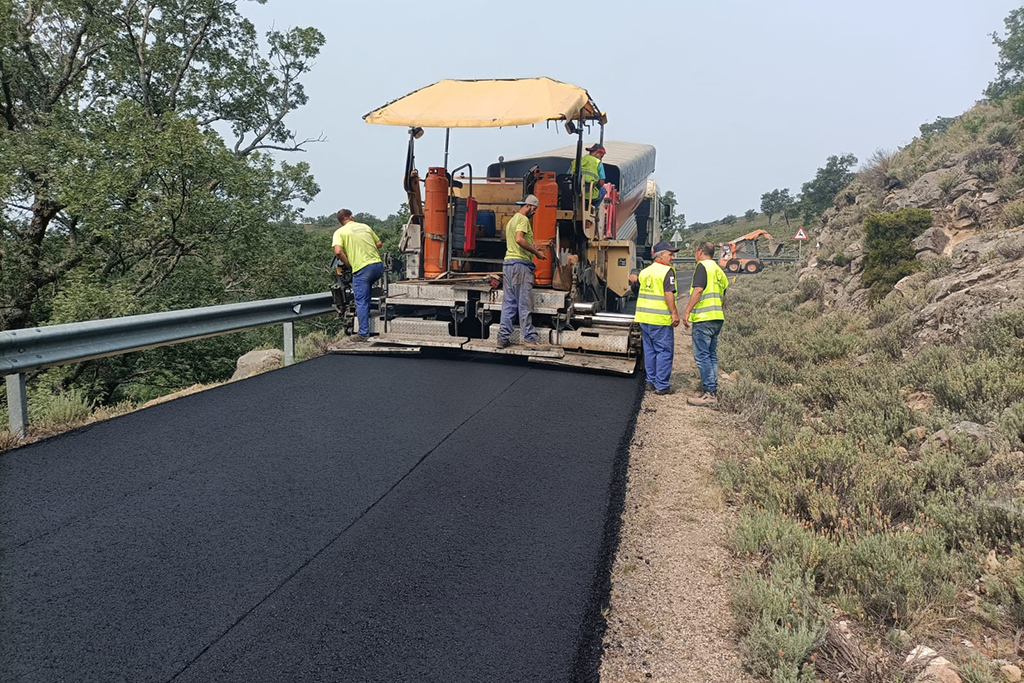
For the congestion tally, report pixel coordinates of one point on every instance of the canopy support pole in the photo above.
(447, 137)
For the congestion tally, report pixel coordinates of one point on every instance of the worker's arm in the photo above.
(522, 241)
(694, 298)
(670, 299)
(340, 253)
(379, 244)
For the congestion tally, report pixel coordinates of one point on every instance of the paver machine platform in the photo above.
(453, 244)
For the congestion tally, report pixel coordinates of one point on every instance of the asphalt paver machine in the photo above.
(453, 244)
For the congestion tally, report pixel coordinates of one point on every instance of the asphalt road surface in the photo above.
(344, 519)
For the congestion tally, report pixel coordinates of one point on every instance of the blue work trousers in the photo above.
(705, 352)
(659, 346)
(517, 299)
(362, 283)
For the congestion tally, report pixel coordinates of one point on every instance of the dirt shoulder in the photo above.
(669, 617)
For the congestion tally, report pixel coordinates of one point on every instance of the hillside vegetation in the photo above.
(882, 498)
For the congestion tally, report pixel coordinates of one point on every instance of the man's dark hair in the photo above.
(343, 214)
(706, 248)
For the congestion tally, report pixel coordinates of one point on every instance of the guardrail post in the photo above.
(17, 405)
(289, 343)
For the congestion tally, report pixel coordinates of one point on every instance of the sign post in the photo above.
(800, 237)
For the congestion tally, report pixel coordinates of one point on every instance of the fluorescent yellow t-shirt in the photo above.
(518, 223)
(359, 242)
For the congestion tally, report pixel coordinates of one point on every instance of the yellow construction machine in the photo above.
(453, 244)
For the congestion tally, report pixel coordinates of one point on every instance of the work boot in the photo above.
(707, 400)
(360, 338)
(503, 343)
(649, 387)
(534, 345)
(664, 392)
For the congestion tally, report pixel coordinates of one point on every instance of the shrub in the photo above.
(1010, 185)
(989, 171)
(949, 181)
(61, 409)
(878, 172)
(781, 622)
(1001, 133)
(809, 289)
(1011, 423)
(973, 124)
(1011, 249)
(896, 575)
(729, 220)
(889, 252)
(1013, 213)
(840, 259)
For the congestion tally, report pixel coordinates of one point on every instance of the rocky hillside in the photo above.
(971, 261)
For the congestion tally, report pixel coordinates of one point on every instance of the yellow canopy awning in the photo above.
(488, 104)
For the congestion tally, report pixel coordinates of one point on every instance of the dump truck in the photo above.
(453, 245)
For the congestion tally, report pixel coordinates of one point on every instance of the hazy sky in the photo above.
(738, 97)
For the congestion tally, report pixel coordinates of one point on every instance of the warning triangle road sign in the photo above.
(800, 235)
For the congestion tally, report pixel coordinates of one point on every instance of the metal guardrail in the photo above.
(42, 347)
(765, 259)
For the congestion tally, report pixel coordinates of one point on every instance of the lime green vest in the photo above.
(709, 307)
(589, 172)
(651, 307)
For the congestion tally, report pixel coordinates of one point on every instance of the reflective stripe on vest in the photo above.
(651, 307)
(709, 306)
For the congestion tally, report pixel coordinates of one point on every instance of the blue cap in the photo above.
(664, 246)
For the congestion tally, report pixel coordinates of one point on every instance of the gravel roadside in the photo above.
(669, 617)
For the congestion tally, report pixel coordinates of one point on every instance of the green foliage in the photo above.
(675, 221)
(109, 142)
(775, 202)
(888, 249)
(1001, 133)
(819, 193)
(989, 171)
(1013, 213)
(781, 621)
(1010, 67)
(750, 215)
(937, 127)
(839, 502)
(729, 220)
(840, 259)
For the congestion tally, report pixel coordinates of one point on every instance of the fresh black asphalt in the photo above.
(344, 519)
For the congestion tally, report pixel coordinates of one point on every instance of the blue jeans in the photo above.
(362, 282)
(517, 298)
(659, 346)
(705, 352)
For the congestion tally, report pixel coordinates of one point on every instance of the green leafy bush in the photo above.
(889, 252)
(1013, 213)
(781, 621)
(1001, 133)
(989, 171)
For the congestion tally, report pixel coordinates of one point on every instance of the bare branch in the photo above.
(187, 61)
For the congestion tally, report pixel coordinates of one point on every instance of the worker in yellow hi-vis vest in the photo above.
(705, 311)
(592, 172)
(656, 312)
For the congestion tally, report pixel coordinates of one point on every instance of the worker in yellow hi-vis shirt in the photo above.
(358, 247)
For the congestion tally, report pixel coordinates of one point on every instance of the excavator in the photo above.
(453, 245)
(743, 254)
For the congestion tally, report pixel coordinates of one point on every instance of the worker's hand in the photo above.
(675, 320)
(540, 255)
(633, 277)
(686, 324)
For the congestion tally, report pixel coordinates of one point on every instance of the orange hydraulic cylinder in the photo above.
(435, 224)
(545, 222)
